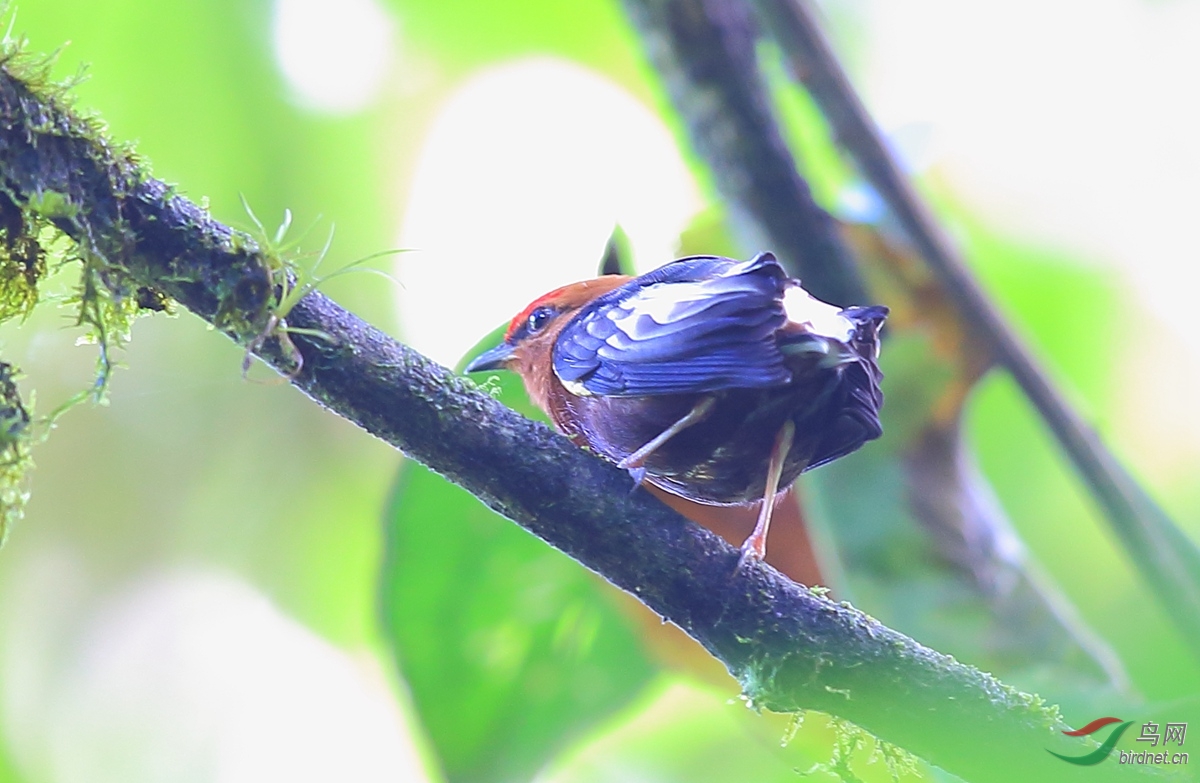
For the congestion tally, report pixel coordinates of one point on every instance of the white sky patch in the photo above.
(187, 676)
(1075, 124)
(334, 54)
(820, 318)
(524, 173)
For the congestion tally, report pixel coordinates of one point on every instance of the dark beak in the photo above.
(493, 359)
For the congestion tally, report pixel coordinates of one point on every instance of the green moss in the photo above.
(898, 761)
(849, 746)
(15, 437)
(22, 260)
(53, 205)
(105, 299)
(36, 228)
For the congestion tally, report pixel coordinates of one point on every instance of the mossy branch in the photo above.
(790, 649)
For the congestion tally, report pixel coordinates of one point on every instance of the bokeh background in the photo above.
(194, 591)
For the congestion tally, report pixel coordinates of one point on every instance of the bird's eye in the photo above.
(539, 318)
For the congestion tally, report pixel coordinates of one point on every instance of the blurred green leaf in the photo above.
(510, 648)
(8, 774)
(469, 33)
(618, 254)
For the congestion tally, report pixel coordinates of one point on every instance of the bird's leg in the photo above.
(756, 545)
(633, 463)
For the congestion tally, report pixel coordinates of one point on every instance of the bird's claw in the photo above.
(638, 474)
(751, 550)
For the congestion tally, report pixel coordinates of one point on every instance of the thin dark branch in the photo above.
(1167, 559)
(704, 52)
(789, 648)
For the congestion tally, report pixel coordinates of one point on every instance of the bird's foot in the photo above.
(638, 474)
(754, 548)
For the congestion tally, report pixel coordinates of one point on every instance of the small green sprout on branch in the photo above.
(293, 280)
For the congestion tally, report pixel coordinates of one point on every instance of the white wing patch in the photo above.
(816, 316)
(666, 303)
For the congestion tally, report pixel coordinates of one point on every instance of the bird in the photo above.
(716, 380)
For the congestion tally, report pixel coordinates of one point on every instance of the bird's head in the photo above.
(529, 341)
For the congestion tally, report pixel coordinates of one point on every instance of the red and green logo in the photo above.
(1100, 753)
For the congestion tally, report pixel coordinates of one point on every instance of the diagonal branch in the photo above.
(1166, 558)
(725, 105)
(789, 648)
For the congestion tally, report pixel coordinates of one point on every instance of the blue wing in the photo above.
(699, 324)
